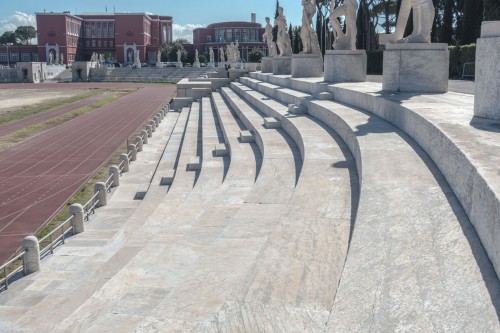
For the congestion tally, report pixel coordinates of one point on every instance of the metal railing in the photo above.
(89, 207)
(469, 70)
(59, 233)
(8, 273)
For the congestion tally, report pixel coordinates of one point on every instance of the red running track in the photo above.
(41, 117)
(38, 176)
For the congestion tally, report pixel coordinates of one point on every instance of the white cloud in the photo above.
(16, 20)
(185, 31)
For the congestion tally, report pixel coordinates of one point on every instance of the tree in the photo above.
(471, 22)
(275, 27)
(25, 34)
(297, 40)
(171, 50)
(491, 10)
(8, 37)
(255, 55)
(447, 27)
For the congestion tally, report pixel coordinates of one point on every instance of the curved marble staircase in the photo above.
(330, 219)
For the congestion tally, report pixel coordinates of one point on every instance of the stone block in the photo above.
(282, 65)
(487, 79)
(194, 164)
(345, 66)
(297, 109)
(142, 190)
(267, 65)
(323, 96)
(246, 137)
(307, 65)
(168, 179)
(271, 123)
(416, 67)
(221, 150)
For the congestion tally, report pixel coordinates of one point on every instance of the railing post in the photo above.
(149, 128)
(101, 189)
(31, 247)
(167, 108)
(77, 211)
(160, 116)
(124, 159)
(133, 150)
(156, 120)
(115, 172)
(153, 125)
(139, 143)
(145, 135)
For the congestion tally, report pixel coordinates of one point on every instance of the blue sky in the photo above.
(187, 14)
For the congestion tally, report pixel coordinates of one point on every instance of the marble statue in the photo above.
(423, 17)
(158, 56)
(179, 55)
(62, 59)
(307, 32)
(129, 56)
(196, 59)
(137, 58)
(237, 54)
(221, 55)
(56, 62)
(51, 57)
(212, 56)
(230, 52)
(283, 41)
(347, 40)
(268, 38)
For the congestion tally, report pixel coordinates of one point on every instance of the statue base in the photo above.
(282, 65)
(487, 79)
(179, 65)
(345, 66)
(197, 64)
(211, 64)
(307, 65)
(236, 73)
(267, 65)
(416, 67)
(159, 65)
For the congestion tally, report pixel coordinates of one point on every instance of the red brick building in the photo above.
(76, 37)
(217, 35)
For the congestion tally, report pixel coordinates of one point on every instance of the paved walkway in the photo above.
(38, 176)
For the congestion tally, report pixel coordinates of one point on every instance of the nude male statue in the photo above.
(345, 41)
(268, 38)
(423, 18)
(307, 32)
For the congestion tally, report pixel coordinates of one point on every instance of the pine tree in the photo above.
(471, 24)
(447, 27)
(275, 28)
(491, 10)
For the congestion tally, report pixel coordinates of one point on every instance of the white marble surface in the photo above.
(345, 66)
(487, 79)
(307, 65)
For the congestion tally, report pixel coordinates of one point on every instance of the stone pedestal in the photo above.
(416, 67)
(179, 65)
(487, 85)
(267, 65)
(197, 64)
(236, 73)
(159, 65)
(211, 64)
(307, 65)
(282, 65)
(345, 66)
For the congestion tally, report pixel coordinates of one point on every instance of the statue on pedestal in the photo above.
(221, 55)
(158, 56)
(137, 58)
(62, 59)
(129, 57)
(196, 59)
(268, 38)
(179, 55)
(51, 58)
(307, 32)
(212, 57)
(423, 18)
(237, 54)
(283, 41)
(345, 41)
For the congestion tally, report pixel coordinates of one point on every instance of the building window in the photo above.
(14, 56)
(3, 56)
(237, 33)
(111, 29)
(99, 43)
(87, 43)
(110, 43)
(93, 42)
(25, 56)
(209, 39)
(105, 43)
(229, 35)
(35, 57)
(87, 29)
